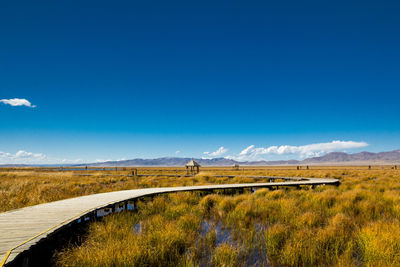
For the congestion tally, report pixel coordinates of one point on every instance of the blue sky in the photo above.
(126, 79)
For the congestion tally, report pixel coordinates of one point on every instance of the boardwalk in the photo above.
(22, 228)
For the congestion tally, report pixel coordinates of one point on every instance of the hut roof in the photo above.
(192, 163)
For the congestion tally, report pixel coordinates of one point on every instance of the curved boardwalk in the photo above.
(22, 228)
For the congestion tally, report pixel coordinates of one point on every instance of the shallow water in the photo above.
(253, 253)
(137, 228)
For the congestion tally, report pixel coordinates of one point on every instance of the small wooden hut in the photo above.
(192, 167)
(235, 167)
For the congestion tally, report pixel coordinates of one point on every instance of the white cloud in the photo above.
(17, 102)
(107, 160)
(220, 151)
(28, 155)
(69, 161)
(21, 157)
(24, 157)
(102, 160)
(177, 152)
(311, 150)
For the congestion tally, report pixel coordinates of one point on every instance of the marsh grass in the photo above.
(20, 187)
(355, 224)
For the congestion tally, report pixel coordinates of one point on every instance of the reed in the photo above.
(355, 224)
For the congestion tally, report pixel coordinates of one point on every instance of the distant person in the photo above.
(369, 167)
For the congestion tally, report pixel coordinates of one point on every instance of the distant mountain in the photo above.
(270, 163)
(333, 158)
(166, 161)
(13, 165)
(391, 157)
(362, 157)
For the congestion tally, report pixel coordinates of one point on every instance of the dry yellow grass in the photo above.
(355, 224)
(25, 187)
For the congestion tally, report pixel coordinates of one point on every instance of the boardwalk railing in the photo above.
(22, 228)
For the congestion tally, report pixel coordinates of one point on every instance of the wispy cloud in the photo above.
(21, 156)
(107, 160)
(15, 102)
(311, 150)
(177, 152)
(220, 151)
(68, 161)
(24, 157)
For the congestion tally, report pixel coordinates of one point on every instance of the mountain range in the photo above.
(333, 158)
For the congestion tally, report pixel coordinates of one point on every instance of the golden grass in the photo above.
(379, 243)
(26, 187)
(355, 224)
(168, 228)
